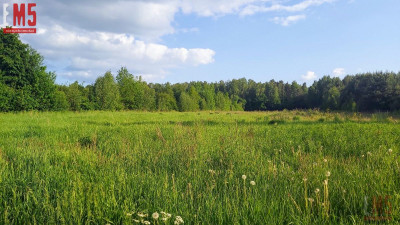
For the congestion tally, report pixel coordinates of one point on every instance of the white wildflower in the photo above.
(390, 150)
(325, 160)
(165, 216)
(317, 191)
(155, 215)
(311, 200)
(178, 220)
(146, 222)
(136, 221)
(141, 214)
(244, 177)
(253, 183)
(325, 182)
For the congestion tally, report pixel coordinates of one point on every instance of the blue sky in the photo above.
(188, 40)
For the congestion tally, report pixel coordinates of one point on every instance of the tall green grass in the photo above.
(112, 167)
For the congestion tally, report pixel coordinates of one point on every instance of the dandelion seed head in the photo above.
(311, 200)
(253, 183)
(325, 182)
(325, 160)
(305, 179)
(136, 221)
(155, 215)
(317, 191)
(244, 177)
(390, 150)
(146, 222)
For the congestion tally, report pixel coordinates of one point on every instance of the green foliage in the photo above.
(25, 85)
(60, 101)
(22, 70)
(107, 93)
(131, 89)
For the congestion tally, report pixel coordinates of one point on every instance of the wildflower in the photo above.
(146, 222)
(325, 160)
(362, 156)
(178, 220)
(326, 182)
(136, 221)
(317, 191)
(141, 214)
(155, 216)
(253, 183)
(165, 216)
(390, 150)
(244, 177)
(328, 174)
(130, 214)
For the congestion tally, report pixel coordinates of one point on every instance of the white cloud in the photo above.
(309, 76)
(253, 9)
(338, 72)
(286, 21)
(88, 54)
(214, 7)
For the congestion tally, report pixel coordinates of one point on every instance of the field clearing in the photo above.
(307, 167)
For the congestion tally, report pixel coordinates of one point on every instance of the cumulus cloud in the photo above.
(286, 21)
(88, 54)
(80, 39)
(338, 72)
(309, 76)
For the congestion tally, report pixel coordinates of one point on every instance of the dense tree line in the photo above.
(25, 85)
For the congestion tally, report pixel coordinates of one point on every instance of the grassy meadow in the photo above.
(290, 167)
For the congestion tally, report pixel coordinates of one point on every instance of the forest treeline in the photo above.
(26, 85)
